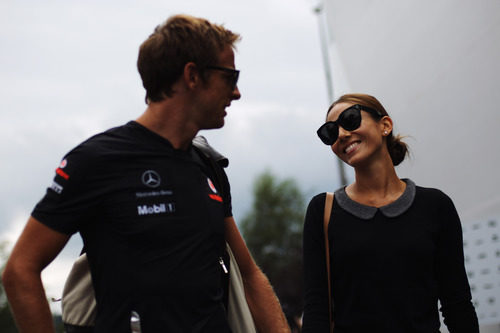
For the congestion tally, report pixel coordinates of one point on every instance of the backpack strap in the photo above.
(239, 317)
(215, 160)
(201, 143)
(326, 221)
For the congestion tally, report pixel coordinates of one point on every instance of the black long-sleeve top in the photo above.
(389, 265)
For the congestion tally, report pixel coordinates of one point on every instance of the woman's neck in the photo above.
(376, 185)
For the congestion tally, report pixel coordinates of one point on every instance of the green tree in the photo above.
(273, 233)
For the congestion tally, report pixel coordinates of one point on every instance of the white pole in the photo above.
(318, 10)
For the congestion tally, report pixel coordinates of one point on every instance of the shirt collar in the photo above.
(364, 212)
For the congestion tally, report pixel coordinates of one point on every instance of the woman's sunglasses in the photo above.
(349, 119)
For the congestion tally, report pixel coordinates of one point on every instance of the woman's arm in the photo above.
(316, 318)
(454, 291)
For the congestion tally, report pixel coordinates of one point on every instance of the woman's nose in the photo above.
(343, 133)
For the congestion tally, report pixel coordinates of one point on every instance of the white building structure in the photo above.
(435, 66)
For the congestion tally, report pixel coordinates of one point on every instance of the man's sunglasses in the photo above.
(232, 77)
(349, 119)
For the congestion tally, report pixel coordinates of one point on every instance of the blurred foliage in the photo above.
(273, 234)
(7, 324)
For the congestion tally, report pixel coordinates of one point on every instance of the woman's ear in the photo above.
(386, 125)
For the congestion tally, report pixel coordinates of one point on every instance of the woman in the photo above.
(395, 248)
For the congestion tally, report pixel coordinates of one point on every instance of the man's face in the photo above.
(218, 91)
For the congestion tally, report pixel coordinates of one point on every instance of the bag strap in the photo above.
(213, 159)
(326, 221)
(215, 162)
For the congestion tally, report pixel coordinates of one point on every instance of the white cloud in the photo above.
(14, 228)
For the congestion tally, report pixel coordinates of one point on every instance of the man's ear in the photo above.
(191, 75)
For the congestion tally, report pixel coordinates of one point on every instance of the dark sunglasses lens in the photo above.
(350, 119)
(328, 133)
(234, 78)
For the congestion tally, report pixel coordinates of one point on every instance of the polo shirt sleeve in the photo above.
(68, 201)
(454, 291)
(228, 209)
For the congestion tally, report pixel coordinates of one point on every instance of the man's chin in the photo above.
(217, 125)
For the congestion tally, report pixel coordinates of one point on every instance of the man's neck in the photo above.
(170, 121)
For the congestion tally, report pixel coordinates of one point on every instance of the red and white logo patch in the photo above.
(59, 170)
(215, 196)
(211, 185)
(63, 164)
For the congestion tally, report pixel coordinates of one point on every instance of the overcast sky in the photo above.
(68, 71)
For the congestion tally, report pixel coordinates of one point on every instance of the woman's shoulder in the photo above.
(317, 200)
(432, 195)
(317, 204)
(430, 191)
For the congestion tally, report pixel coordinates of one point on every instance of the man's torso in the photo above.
(151, 219)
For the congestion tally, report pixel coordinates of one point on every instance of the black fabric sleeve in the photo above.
(226, 192)
(316, 318)
(454, 291)
(69, 201)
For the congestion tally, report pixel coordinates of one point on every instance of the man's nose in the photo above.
(236, 93)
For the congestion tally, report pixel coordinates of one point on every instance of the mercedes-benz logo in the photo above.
(151, 178)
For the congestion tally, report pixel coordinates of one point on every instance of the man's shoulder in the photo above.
(101, 143)
(111, 135)
(97, 147)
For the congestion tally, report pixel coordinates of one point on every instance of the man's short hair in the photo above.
(179, 40)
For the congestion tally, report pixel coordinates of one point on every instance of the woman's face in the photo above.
(362, 145)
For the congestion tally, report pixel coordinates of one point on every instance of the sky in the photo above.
(68, 71)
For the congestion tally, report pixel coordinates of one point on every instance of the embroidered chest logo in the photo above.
(213, 196)
(151, 178)
(156, 208)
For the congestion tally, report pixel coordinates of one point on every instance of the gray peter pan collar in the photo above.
(393, 209)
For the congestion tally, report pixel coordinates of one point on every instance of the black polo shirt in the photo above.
(151, 219)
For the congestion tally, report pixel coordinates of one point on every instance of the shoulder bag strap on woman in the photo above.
(326, 221)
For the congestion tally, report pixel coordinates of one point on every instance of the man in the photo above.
(152, 219)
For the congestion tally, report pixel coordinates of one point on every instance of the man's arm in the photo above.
(262, 301)
(37, 246)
